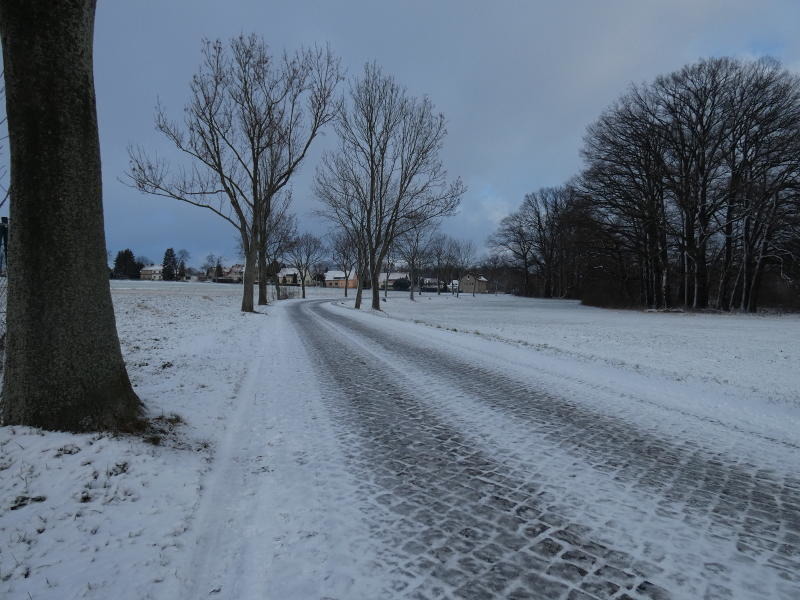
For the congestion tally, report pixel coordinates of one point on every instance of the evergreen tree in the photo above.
(126, 266)
(218, 270)
(170, 265)
(181, 271)
(122, 264)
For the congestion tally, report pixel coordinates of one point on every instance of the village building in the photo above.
(291, 276)
(337, 279)
(152, 273)
(472, 284)
(392, 278)
(431, 284)
(234, 274)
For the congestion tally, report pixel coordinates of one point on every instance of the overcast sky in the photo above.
(518, 82)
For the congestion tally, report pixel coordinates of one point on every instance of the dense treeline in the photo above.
(690, 196)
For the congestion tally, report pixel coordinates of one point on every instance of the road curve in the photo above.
(480, 485)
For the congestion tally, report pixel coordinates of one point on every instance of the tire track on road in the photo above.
(459, 523)
(758, 510)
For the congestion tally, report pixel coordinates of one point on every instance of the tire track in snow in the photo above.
(458, 522)
(265, 526)
(720, 499)
(218, 552)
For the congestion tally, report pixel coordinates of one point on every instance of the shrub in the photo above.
(401, 284)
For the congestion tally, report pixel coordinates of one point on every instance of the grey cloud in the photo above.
(518, 82)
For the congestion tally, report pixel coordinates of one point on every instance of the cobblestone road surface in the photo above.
(563, 503)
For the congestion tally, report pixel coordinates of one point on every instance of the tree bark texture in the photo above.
(250, 261)
(263, 298)
(64, 368)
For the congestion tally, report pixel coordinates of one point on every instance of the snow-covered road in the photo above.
(319, 453)
(479, 478)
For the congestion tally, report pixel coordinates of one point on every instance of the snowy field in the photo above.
(253, 487)
(93, 516)
(738, 361)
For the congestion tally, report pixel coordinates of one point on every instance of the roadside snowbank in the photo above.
(757, 355)
(97, 516)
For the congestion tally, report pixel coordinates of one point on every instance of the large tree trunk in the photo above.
(700, 300)
(525, 279)
(359, 291)
(64, 369)
(723, 293)
(262, 276)
(250, 260)
(763, 248)
(663, 261)
(362, 276)
(376, 292)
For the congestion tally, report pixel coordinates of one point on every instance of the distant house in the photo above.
(152, 273)
(232, 274)
(337, 279)
(235, 273)
(392, 278)
(291, 276)
(288, 276)
(429, 284)
(473, 284)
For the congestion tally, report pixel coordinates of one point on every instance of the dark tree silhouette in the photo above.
(169, 265)
(386, 176)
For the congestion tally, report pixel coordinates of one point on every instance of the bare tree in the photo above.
(209, 264)
(301, 101)
(389, 260)
(4, 195)
(338, 188)
(494, 265)
(462, 255)
(304, 254)
(542, 211)
(344, 252)
(64, 368)
(414, 247)
(281, 232)
(439, 250)
(514, 240)
(386, 175)
(4, 187)
(696, 176)
(248, 126)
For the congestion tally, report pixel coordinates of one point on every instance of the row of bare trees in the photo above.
(429, 254)
(247, 127)
(385, 179)
(534, 238)
(690, 196)
(424, 251)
